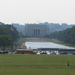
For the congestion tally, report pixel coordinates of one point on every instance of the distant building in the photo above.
(36, 30)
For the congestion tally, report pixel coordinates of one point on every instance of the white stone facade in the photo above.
(36, 30)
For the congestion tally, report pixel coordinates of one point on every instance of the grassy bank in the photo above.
(59, 42)
(37, 64)
(23, 71)
(21, 41)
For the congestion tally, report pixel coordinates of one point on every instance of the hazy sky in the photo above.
(35, 11)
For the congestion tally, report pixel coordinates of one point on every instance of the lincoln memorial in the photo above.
(36, 30)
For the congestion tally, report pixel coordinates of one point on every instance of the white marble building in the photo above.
(35, 30)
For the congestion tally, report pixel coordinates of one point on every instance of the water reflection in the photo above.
(35, 45)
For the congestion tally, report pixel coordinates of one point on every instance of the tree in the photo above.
(5, 41)
(2, 31)
(5, 29)
(67, 36)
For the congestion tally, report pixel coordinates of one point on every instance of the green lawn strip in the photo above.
(34, 71)
(37, 64)
(60, 42)
(21, 41)
(39, 61)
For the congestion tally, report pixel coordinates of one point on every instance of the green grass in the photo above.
(23, 71)
(59, 42)
(21, 41)
(37, 64)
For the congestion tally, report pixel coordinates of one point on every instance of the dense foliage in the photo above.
(7, 36)
(67, 36)
(5, 40)
(5, 29)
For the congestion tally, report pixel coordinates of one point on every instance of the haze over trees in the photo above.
(67, 36)
(63, 32)
(20, 28)
(5, 29)
(7, 37)
(52, 26)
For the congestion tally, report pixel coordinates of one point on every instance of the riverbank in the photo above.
(37, 39)
(24, 40)
(60, 42)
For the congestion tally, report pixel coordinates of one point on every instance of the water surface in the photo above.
(35, 45)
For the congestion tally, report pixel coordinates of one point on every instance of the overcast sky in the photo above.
(35, 11)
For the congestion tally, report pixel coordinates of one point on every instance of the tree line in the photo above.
(67, 36)
(7, 37)
(5, 29)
